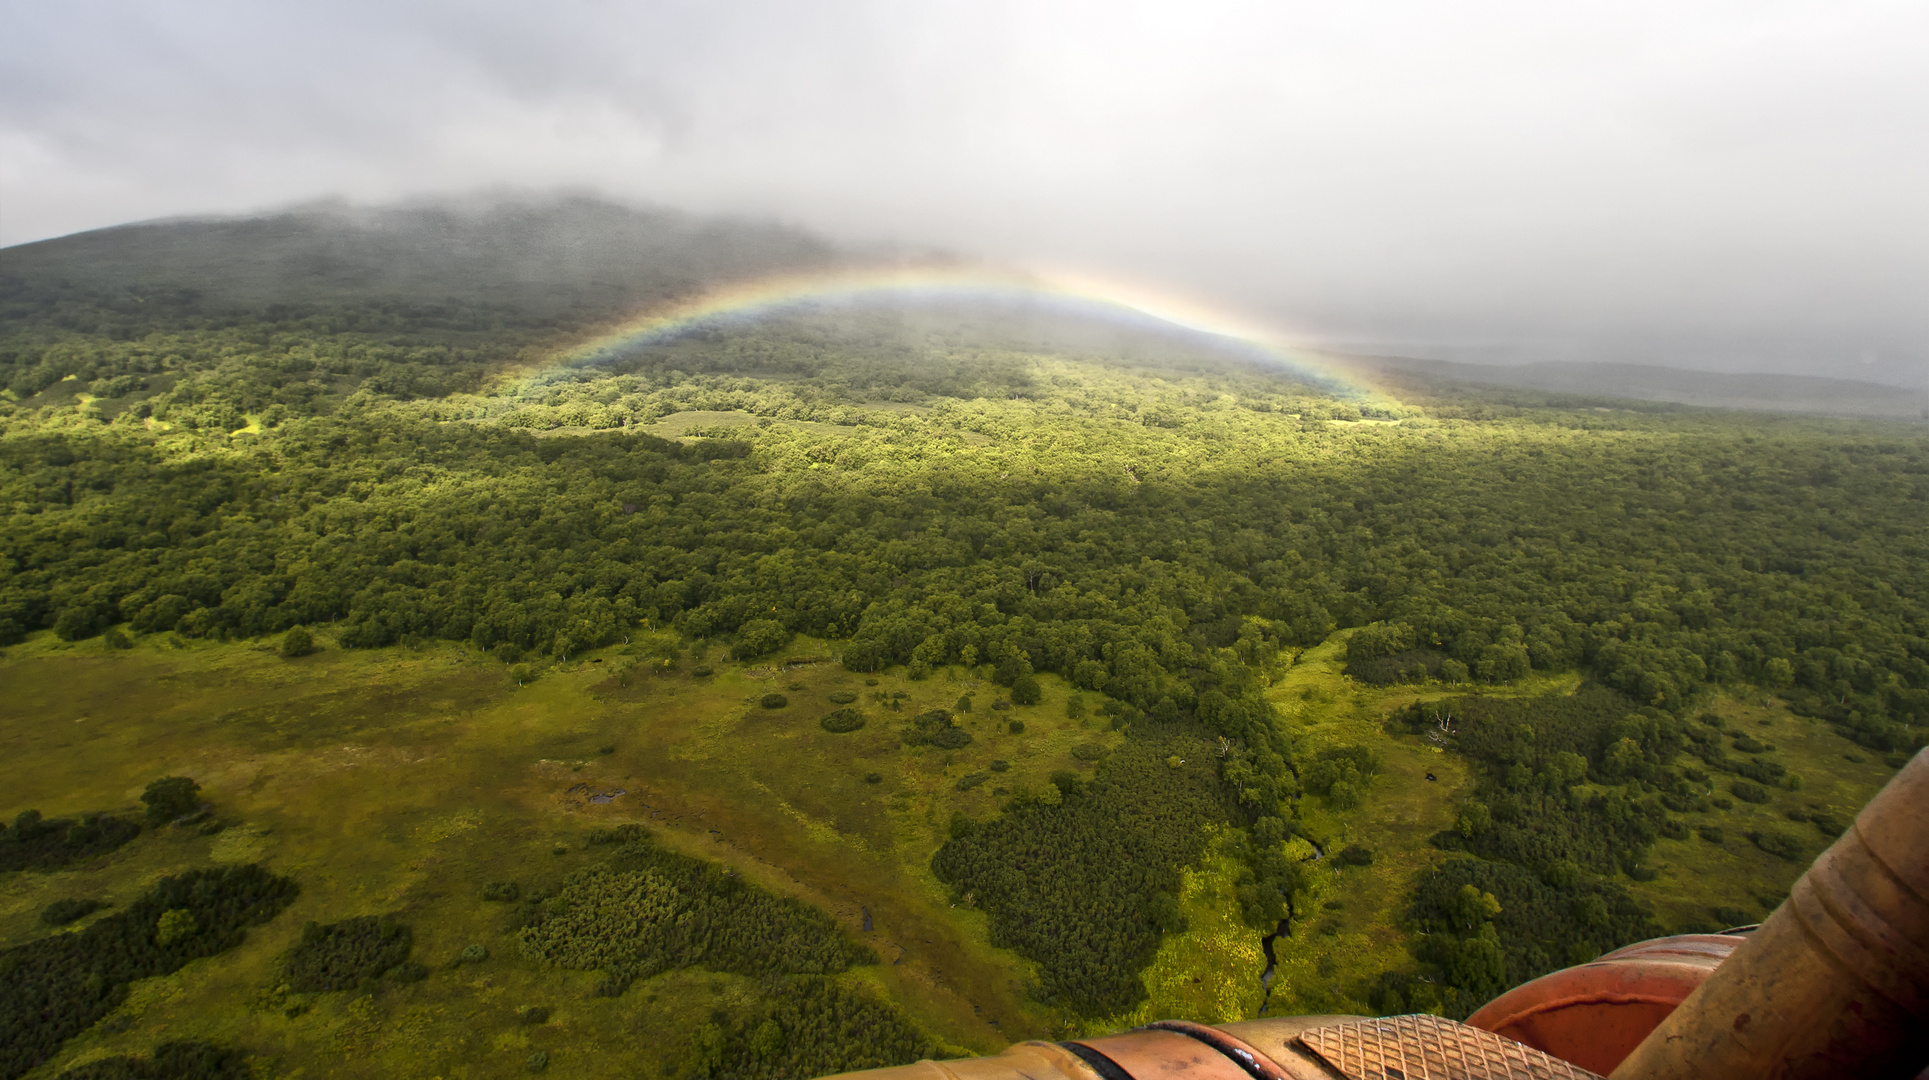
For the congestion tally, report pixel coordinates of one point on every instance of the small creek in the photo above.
(1283, 930)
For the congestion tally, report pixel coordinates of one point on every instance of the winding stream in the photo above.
(1283, 930)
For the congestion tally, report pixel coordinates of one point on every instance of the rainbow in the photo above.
(1091, 296)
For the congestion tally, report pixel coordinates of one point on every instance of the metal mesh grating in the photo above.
(1429, 1048)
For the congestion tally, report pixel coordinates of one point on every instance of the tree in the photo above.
(171, 797)
(1025, 690)
(297, 642)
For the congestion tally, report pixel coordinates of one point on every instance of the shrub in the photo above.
(1000, 765)
(1711, 833)
(36, 843)
(1722, 803)
(171, 1061)
(703, 671)
(533, 1014)
(115, 639)
(843, 697)
(1673, 829)
(1355, 855)
(472, 954)
(842, 721)
(1089, 751)
(62, 912)
(1352, 765)
(1086, 905)
(649, 910)
(297, 642)
(175, 926)
(971, 780)
(773, 701)
(1778, 844)
(1016, 727)
(873, 778)
(810, 1026)
(171, 797)
(61, 985)
(1748, 791)
(339, 956)
(935, 728)
(502, 891)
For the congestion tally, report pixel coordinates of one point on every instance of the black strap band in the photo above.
(1105, 1067)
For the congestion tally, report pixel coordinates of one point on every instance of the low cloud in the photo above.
(1717, 184)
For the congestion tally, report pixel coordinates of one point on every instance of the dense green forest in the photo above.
(1162, 522)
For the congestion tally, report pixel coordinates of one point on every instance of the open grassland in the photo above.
(399, 782)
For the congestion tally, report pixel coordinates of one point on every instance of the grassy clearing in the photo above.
(399, 782)
(1697, 876)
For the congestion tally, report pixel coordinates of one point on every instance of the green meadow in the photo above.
(401, 781)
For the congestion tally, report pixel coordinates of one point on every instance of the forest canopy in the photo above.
(1158, 520)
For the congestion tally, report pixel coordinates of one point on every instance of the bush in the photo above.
(1086, 887)
(873, 778)
(171, 797)
(1016, 727)
(809, 1026)
(62, 912)
(1000, 765)
(935, 728)
(58, 986)
(842, 721)
(171, 1061)
(1711, 833)
(1778, 844)
(297, 642)
(1355, 855)
(1748, 791)
(1089, 751)
(36, 843)
(649, 910)
(843, 697)
(339, 956)
(773, 701)
(115, 639)
(703, 671)
(971, 780)
(502, 892)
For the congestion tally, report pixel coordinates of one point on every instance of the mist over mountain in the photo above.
(1754, 391)
(539, 254)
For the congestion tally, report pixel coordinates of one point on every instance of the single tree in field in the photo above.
(170, 797)
(297, 642)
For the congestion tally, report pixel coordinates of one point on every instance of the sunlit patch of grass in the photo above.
(400, 781)
(1697, 876)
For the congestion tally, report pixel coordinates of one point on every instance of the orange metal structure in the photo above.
(1595, 1015)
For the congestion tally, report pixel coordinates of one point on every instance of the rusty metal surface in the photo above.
(1429, 1048)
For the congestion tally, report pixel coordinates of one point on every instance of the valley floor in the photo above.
(401, 781)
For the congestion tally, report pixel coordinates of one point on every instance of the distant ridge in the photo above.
(535, 252)
(1643, 382)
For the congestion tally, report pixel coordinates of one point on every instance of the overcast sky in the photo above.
(1736, 185)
